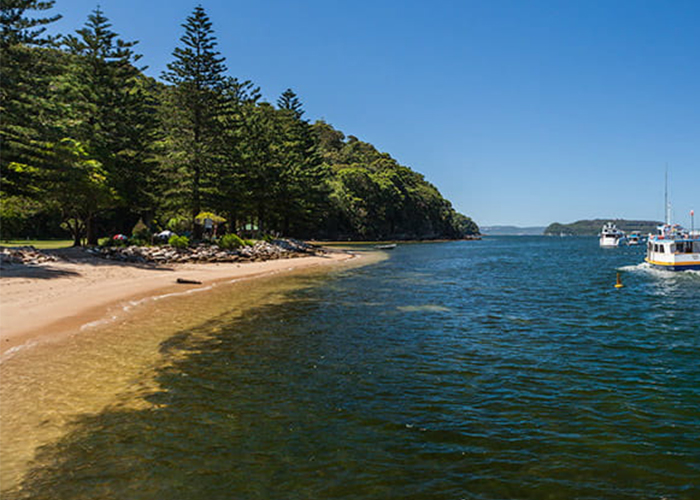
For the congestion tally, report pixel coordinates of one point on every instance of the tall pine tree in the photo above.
(25, 93)
(290, 102)
(112, 113)
(300, 196)
(230, 196)
(18, 29)
(194, 111)
(260, 164)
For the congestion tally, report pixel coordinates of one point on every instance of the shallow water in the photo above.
(506, 368)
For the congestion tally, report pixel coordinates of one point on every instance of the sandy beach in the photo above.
(46, 301)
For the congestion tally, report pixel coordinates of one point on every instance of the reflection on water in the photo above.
(530, 380)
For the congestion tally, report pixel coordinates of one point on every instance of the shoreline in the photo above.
(87, 334)
(353, 243)
(48, 301)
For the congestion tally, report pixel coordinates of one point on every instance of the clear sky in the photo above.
(520, 112)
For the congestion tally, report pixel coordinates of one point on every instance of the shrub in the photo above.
(140, 242)
(231, 242)
(141, 231)
(105, 242)
(179, 241)
(117, 243)
(178, 224)
(249, 243)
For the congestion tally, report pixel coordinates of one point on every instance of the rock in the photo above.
(25, 255)
(260, 251)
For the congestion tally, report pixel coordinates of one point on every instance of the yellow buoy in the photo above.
(619, 282)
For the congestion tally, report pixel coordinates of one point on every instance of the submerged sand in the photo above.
(46, 301)
(81, 336)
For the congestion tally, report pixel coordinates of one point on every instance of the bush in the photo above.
(249, 243)
(141, 231)
(231, 242)
(140, 242)
(178, 224)
(111, 242)
(179, 241)
(16, 215)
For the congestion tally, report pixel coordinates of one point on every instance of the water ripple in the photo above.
(508, 368)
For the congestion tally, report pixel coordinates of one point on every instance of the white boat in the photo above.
(611, 236)
(635, 238)
(674, 249)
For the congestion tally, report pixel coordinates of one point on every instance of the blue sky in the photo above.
(520, 112)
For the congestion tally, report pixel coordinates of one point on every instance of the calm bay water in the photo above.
(503, 369)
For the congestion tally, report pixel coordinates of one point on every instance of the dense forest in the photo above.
(92, 147)
(593, 227)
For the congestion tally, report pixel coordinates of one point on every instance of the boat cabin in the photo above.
(674, 251)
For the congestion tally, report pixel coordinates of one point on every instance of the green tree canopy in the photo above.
(111, 111)
(90, 141)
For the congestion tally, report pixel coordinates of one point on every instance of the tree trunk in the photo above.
(196, 228)
(91, 230)
(76, 231)
(197, 165)
(286, 224)
(261, 211)
(232, 222)
(196, 207)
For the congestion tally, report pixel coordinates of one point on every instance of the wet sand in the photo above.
(48, 301)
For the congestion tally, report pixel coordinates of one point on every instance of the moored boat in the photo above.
(611, 236)
(674, 249)
(635, 238)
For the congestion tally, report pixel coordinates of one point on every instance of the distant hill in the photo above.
(593, 227)
(512, 230)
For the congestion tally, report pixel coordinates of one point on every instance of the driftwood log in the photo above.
(188, 282)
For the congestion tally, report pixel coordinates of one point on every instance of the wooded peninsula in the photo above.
(593, 227)
(92, 147)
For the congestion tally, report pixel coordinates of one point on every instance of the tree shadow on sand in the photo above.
(79, 256)
(43, 272)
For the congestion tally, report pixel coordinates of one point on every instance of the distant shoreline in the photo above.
(592, 227)
(341, 243)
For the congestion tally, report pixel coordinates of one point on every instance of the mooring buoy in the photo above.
(619, 282)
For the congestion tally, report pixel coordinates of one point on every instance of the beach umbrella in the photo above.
(164, 234)
(120, 237)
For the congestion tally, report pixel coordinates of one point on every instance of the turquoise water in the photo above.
(508, 368)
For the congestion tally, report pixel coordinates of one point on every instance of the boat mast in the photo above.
(667, 206)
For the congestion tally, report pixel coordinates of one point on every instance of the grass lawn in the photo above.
(40, 244)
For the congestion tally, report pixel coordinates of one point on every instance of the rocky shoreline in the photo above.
(166, 254)
(24, 255)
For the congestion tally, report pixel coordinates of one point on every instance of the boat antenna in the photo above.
(667, 209)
